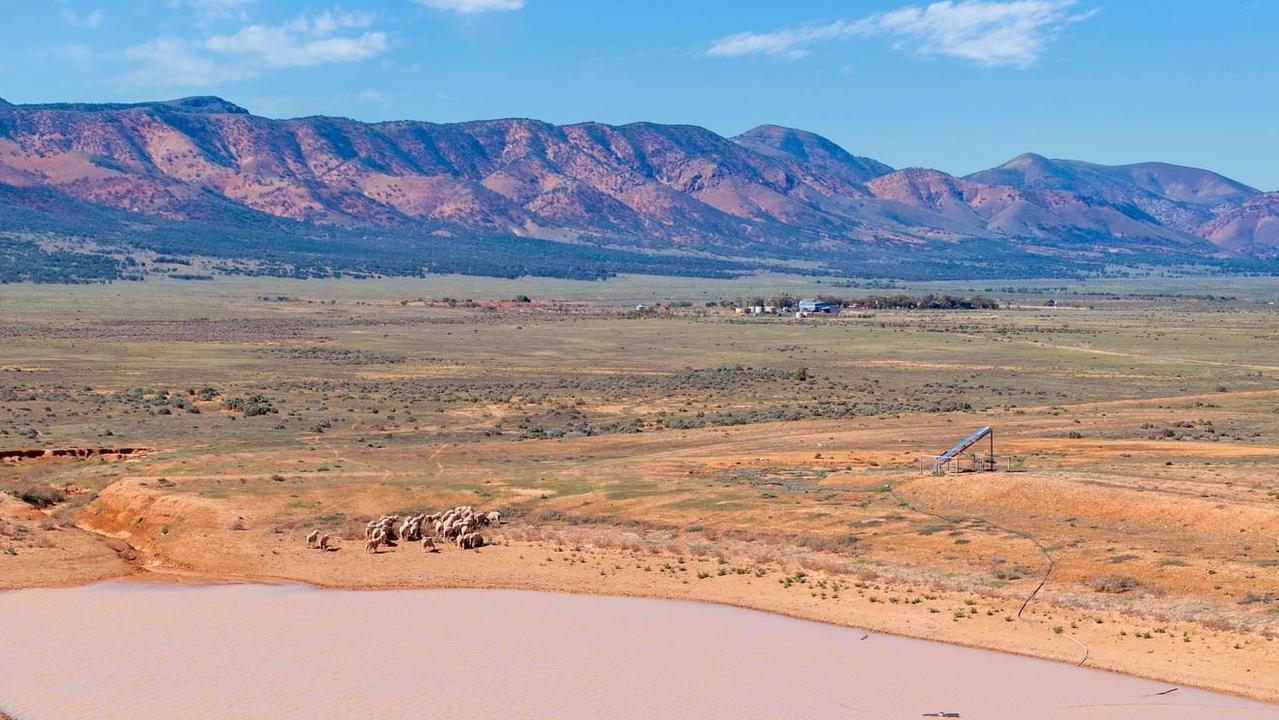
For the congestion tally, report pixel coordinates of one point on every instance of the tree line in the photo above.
(900, 301)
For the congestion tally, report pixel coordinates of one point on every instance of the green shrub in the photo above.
(41, 496)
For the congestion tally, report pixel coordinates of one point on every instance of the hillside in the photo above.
(772, 195)
(1177, 197)
(1251, 227)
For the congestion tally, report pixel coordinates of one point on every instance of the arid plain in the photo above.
(682, 452)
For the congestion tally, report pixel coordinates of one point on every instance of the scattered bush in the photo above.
(40, 496)
(1112, 583)
(250, 407)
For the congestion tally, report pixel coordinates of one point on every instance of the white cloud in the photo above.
(89, 20)
(303, 41)
(307, 40)
(985, 32)
(467, 7)
(786, 43)
(207, 11)
(374, 95)
(211, 5)
(174, 62)
(79, 56)
(74, 52)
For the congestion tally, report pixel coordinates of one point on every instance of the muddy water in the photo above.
(251, 651)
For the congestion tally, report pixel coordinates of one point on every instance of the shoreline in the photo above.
(452, 646)
(164, 575)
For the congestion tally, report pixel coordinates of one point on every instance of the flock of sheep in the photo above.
(460, 525)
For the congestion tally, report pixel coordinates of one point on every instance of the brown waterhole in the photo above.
(251, 651)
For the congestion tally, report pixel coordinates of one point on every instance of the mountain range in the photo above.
(770, 195)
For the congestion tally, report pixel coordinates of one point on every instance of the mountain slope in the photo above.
(1176, 196)
(1114, 182)
(1025, 213)
(675, 183)
(813, 153)
(1251, 228)
(770, 193)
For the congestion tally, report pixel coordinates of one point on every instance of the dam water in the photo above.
(135, 651)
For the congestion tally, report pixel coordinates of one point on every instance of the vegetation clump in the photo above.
(1112, 583)
(39, 496)
(251, 406)
(928, 302)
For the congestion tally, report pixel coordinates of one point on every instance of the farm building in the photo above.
(815, 307)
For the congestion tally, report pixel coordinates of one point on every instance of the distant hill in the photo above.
(1251, 227)
(1175, 196)
(813, 153)
(772, 196)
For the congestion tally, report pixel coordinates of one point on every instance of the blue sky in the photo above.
(959, 86)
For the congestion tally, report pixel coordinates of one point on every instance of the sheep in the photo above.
(386, 525)
(459, 525)
(458, 529)
(312, 538)
(411, 528)
(463, 513)
(470, 541)
(324, 542)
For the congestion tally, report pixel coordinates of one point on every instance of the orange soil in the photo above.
(921, 565)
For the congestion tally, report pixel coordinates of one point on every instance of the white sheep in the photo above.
(470, 541)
